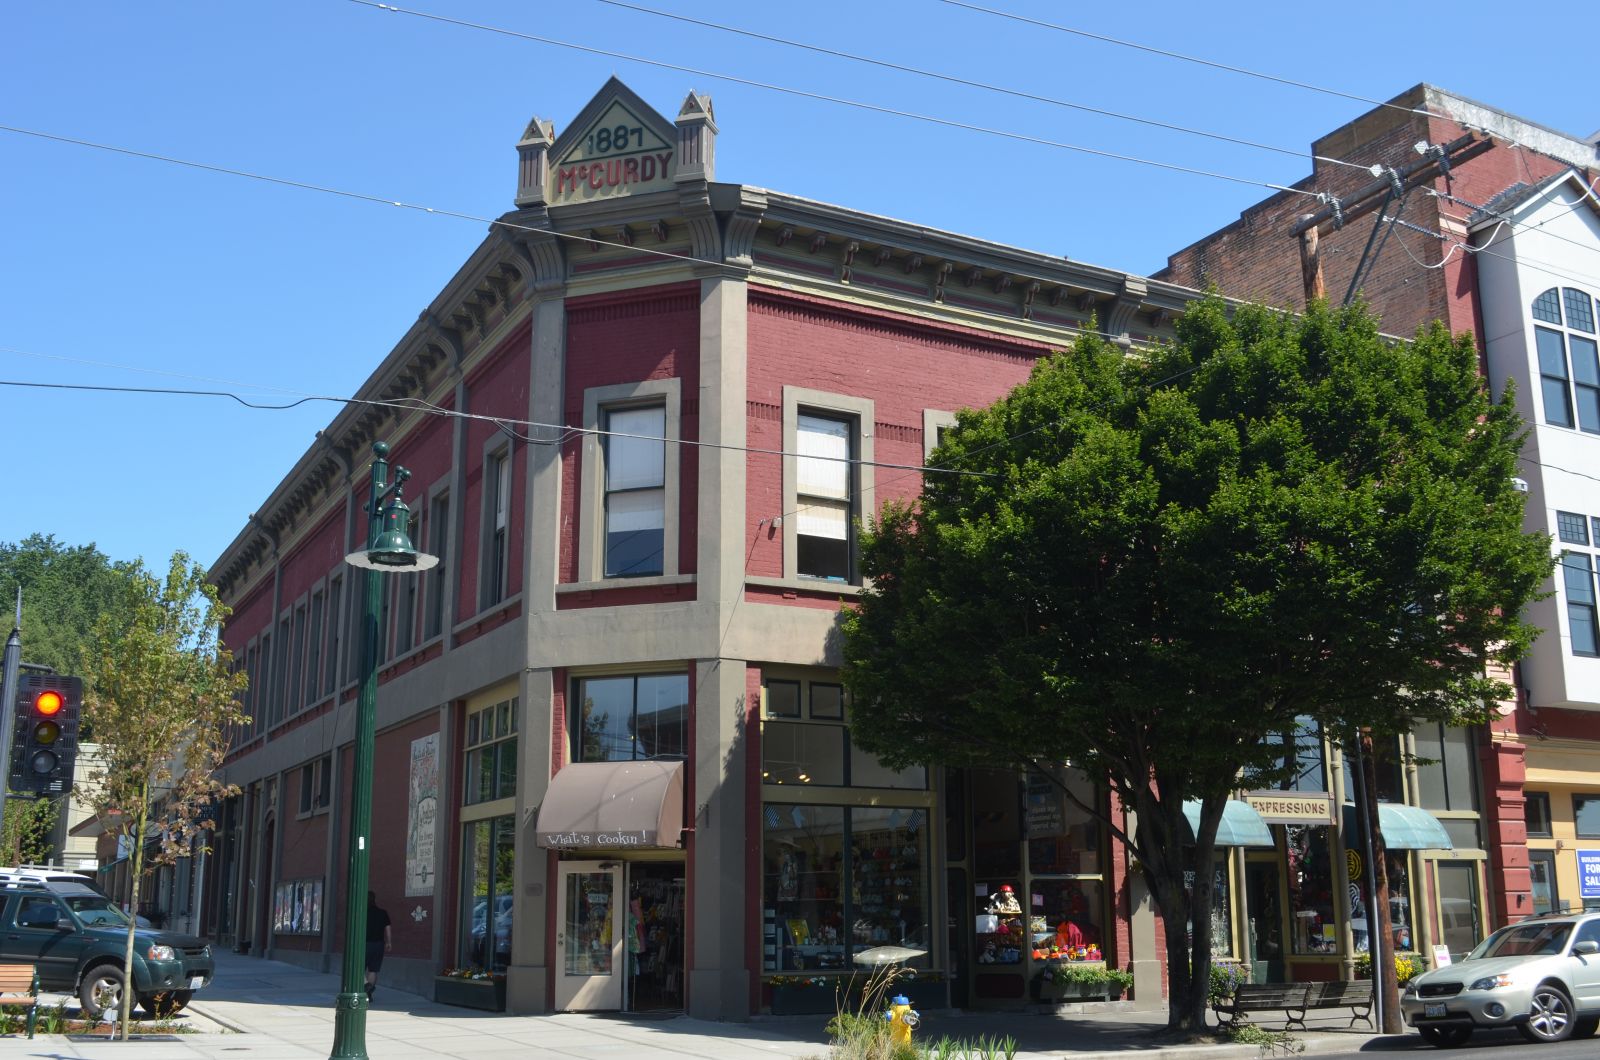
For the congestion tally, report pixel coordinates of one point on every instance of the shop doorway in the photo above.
(589, 936)
(1263, 922)
(653, 937)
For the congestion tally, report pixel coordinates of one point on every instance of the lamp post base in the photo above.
(350, 1027)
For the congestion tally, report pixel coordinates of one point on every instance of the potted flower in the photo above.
(471, 988)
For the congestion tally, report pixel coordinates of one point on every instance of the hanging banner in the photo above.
(423, 816)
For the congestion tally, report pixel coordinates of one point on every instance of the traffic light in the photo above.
(44, 748)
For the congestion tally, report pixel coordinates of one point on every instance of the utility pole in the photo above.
(8, 698)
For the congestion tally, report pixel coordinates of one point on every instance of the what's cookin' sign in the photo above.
(579, 840)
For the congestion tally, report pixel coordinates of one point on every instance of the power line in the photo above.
(969, 83)
(948, 123)
(1103, 38)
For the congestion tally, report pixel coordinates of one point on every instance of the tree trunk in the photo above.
(1380, 928)
(1161, 841)
(125, 1006)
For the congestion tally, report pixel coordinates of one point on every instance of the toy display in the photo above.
(1058, 928)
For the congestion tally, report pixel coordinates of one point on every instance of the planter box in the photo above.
(486, 994)
(803, 1001)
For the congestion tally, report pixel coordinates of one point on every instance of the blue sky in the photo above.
(130, 272)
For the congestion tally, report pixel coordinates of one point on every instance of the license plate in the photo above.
(196, 982)
(1434, 1010)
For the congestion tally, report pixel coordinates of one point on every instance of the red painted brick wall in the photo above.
(314, 556)
(797, 340)
(391, 780)
(630, 337)
(498, 387)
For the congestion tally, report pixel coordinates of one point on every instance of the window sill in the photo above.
(815, 586)
(649, 581)
(315, 811)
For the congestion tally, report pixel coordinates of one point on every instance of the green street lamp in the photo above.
(388, 549)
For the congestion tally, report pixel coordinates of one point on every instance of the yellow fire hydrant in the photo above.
(902, 1018)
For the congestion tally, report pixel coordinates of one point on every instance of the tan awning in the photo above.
(613, 804)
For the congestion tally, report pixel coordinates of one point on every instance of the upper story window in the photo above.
(624, 719)
(439, 545)
(491, 749)
(628, 494)
(825, 482)
(316, 785)
(825, 503)
(1569, 359)
(1536, 810)
(497, 475)
(636, 491)
(1577, 576)
(805, 739)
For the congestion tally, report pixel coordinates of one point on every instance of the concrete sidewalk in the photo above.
(266, 1010)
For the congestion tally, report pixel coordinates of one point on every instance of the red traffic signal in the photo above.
(45, 742)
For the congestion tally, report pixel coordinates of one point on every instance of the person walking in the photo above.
(380, 940)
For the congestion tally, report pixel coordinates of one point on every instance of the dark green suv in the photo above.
(76, 936)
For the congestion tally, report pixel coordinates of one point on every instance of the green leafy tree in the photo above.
(163, 699)
(1166, 560)
(25, 837)
(65, 588)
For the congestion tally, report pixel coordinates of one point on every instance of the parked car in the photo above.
(76, 937)
(1540, 975)
(45, 874)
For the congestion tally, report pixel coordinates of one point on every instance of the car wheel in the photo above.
(162, 1005)
(1550, 1016)
(1586, 1027)
(100, 990)
(1445, 1037)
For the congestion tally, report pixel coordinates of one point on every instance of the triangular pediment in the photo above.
(617, 145)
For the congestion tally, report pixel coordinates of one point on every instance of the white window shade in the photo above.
(823, 446)
(831, 521)
(641, 510)
(636, 462)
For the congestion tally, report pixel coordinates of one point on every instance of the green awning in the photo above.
(1403, 828)
(1241, 826)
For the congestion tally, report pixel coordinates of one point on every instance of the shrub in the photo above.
(1407, 966)
(1225, 980)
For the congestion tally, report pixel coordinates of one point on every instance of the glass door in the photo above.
(589, 936)
(1264, 921)
(1542, 871)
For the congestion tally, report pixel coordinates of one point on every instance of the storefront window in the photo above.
(492, 752)
(1066, 920)
(794, 752)
(1063, 837)
(624, 719)
(803, 900)
(812, 920)
(888, 892)
(488, 853)
(1311, 925)
(1402, 937)
(1220, 922)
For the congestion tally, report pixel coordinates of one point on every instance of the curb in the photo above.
(226, 1024)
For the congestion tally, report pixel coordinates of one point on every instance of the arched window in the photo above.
(1569, 362)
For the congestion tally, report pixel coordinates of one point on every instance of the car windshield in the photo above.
(1524, 940)
(95, 910)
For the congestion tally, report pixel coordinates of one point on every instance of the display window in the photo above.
(838, 881)
(488, 847)
(1309, 858)
(1220, 922)
(804, 740)
(1037, 857)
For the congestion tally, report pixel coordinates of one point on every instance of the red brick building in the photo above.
(1503, 242)
(613, 759)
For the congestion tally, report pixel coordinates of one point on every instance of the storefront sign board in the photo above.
(1279, 807)
(1589, 873)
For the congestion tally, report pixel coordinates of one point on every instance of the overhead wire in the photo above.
(971, 83)
(1106, 39)
(948, 123)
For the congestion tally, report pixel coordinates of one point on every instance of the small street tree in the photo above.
(163, 698)
(1158, 566)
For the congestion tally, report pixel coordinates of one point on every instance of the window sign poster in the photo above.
(423, 819)
(1589, 873)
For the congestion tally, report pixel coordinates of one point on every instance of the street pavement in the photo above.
(266, 1010)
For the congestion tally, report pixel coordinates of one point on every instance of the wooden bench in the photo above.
(1355, 995)
(1288, 998)
(1294, 999)
(21, 980)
